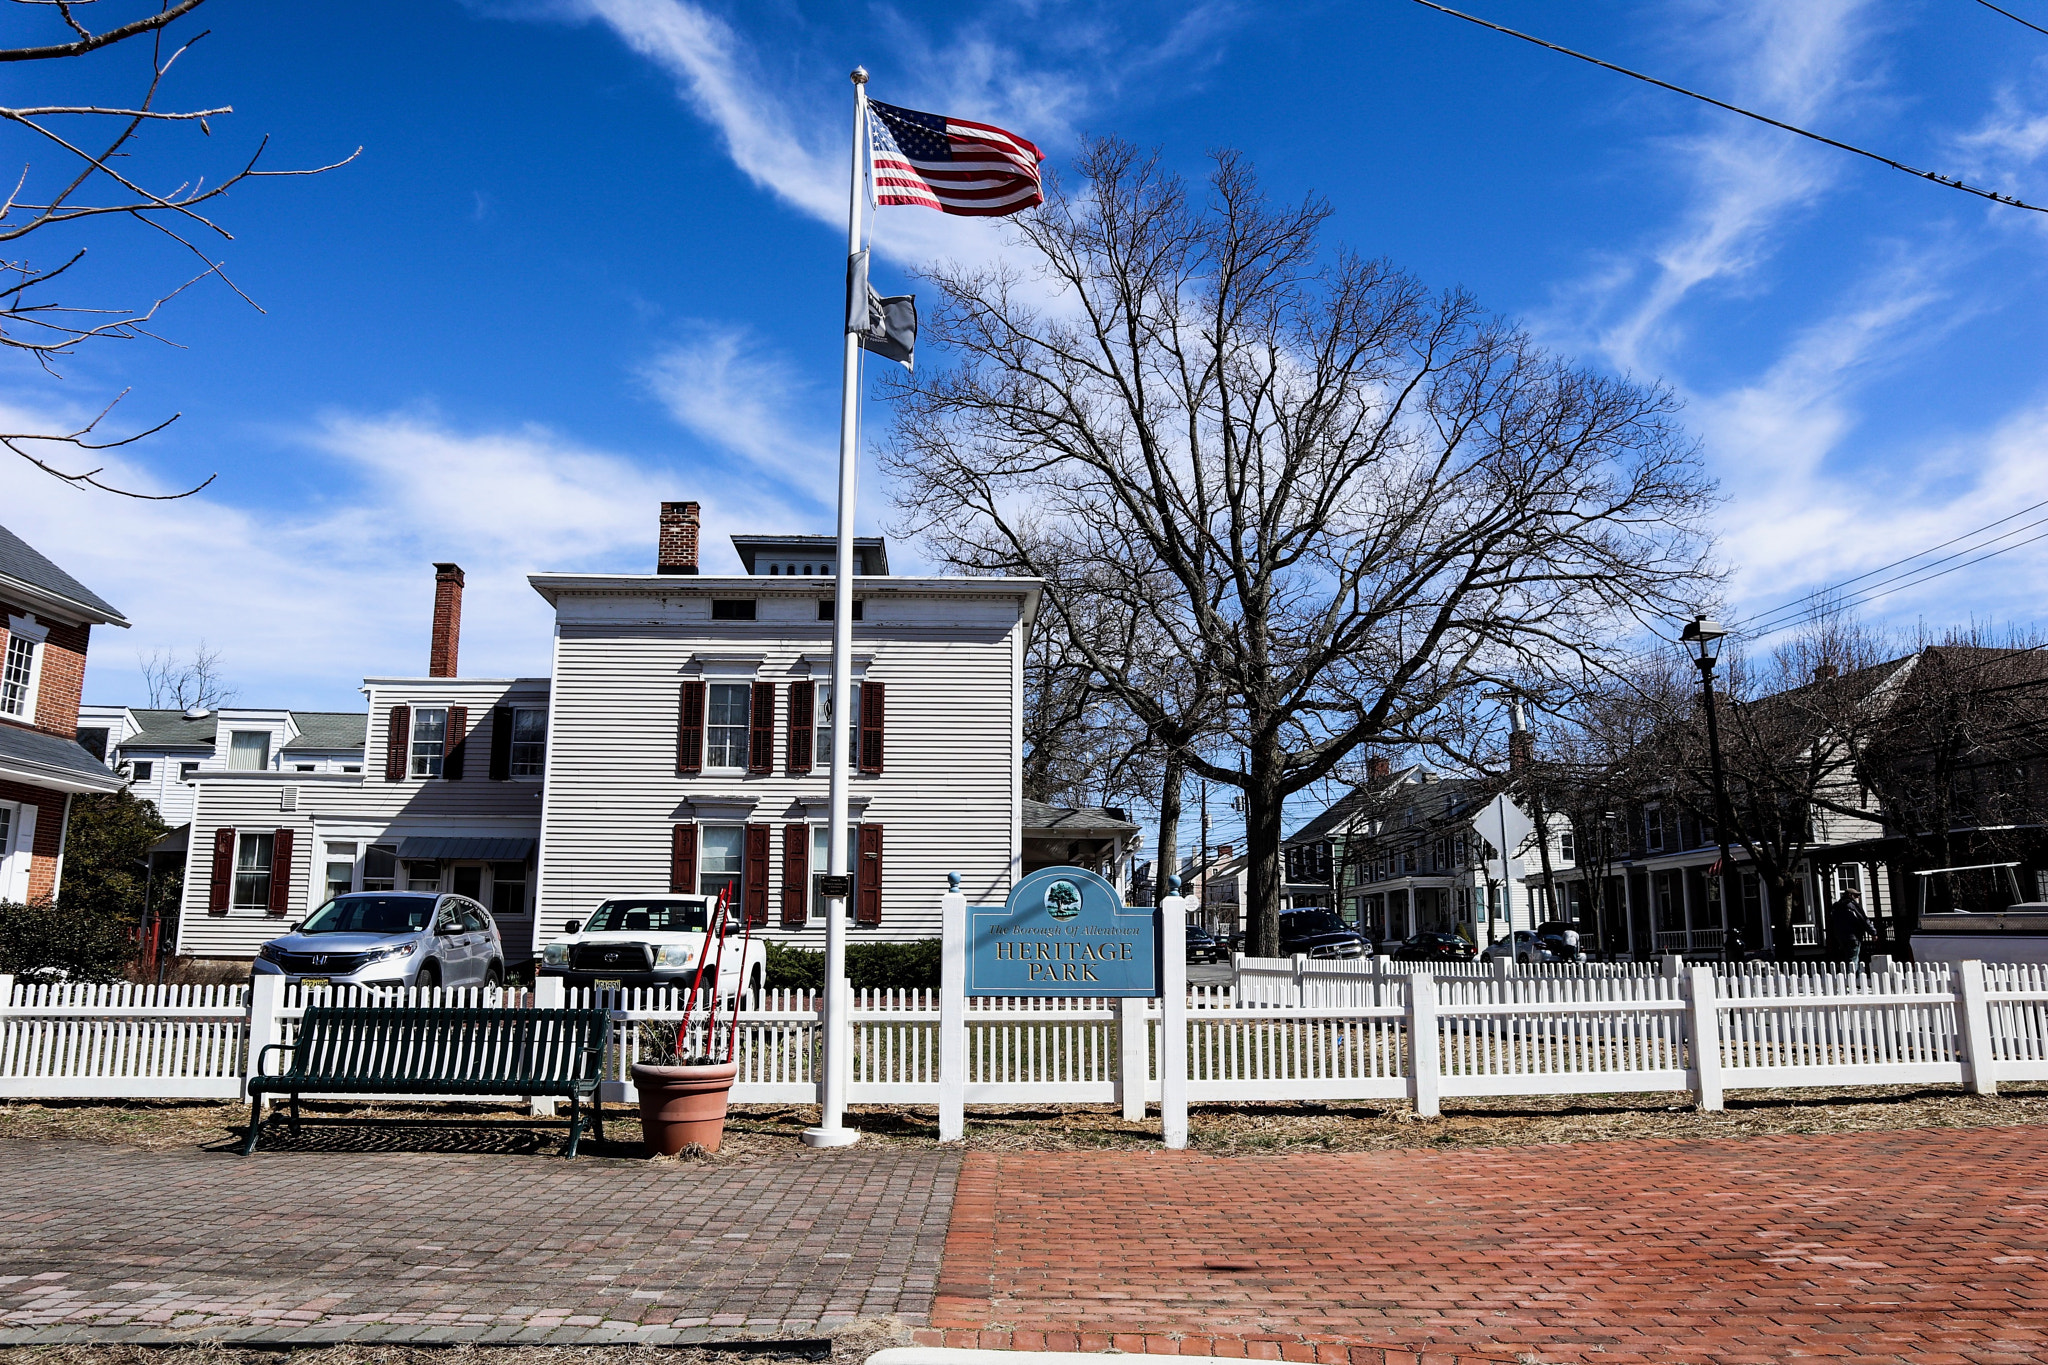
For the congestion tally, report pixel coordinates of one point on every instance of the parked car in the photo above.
(390, 938)
(653, 941)
(1204, 946)
(1319, 933)
(1561, 941)
(1521, 946)
(1430, 947)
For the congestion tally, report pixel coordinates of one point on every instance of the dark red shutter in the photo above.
(457, 747)
(280, 872)
(872, 699)
(396, 738)
(796, 871)
(223, 884)
(803, 701)
(868, 876)
(690, 730)
(501, 744)
(757, 876)
(761, 734)
(682, 861)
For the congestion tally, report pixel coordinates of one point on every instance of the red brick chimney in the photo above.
(677, 551)
(447, 621)
(1521, 744)
(1378, 767)
(1223, 853)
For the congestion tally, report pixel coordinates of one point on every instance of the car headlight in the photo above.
(674, 955)
(270, 952)
(404, 949)
(555, 955)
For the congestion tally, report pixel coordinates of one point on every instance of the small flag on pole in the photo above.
(888, 327)
(949, 164)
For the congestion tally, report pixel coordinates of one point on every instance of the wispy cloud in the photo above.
(724, 387)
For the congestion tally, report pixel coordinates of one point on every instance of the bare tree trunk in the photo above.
(1168, 863)
(1264, 802)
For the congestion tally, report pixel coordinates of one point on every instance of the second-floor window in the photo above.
(187, 771)
(1653, 829)
(18, 677)
(529, 741)
(1568, 847)
(142, 770)
(429, 740)
(728, 707)
(249, 750)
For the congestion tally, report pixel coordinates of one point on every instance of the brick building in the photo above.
(46, 621)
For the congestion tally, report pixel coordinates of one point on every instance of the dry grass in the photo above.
(765, 1132)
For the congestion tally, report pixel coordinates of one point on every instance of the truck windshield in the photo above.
(1302, 923)
(650, 916)
(371, 915)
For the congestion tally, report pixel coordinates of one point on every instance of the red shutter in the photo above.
(868, 877)
(223, 884)
(796, 871)
(682, 861)
(803, 701)
(871, 705)
(396, 737)
(761, 734)
(280, 872)
(690, 730)
(756, 897)
(457, 746)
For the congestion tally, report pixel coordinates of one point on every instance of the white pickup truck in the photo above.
(654, 941)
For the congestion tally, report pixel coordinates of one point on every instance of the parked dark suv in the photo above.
(1319, 933)
(1427, 947)
(1204, 946)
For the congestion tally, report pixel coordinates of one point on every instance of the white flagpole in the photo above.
(831, 1130)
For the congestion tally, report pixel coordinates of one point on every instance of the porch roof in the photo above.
(470, 848)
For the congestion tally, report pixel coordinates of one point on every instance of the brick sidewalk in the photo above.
(1928, 1246)
(99, 1241)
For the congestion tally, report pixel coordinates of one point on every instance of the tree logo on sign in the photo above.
(1063, 900)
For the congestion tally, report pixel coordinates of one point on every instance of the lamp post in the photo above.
(1704, 634)
(1610, 826)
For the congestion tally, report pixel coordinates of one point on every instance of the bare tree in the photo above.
(182, 684)
(1367, 502)
(84, 162)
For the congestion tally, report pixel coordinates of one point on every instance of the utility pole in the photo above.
(1204, 866)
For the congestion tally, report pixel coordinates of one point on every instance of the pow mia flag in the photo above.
(888, 327)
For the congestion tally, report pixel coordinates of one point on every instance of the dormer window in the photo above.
(249, 750)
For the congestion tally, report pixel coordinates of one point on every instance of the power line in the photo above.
(2014, 17)
(1938, 179)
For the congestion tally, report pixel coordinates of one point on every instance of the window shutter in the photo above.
(457, 745)
(868, 908)
(501, 744)
(796, 870)
(280, 872)
(223, 884)
(803, 702)
(761, 736)
(690, 730)
(682, 861)
(871, 707)
(757, 875)
(397, 737)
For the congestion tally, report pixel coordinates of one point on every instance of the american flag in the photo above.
(950, 164)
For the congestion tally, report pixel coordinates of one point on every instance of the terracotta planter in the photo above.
(680, 1105)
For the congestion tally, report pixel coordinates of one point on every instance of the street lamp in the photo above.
(1704, 634)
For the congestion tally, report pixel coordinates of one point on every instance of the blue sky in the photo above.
(590, 257)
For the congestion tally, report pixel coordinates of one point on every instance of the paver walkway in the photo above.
(397, 1245)
(1928, 1245)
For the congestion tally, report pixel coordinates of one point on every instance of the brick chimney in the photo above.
(1223, 853)
(447, 621)
(677, 552)
(1521, 744)
(1378, 767)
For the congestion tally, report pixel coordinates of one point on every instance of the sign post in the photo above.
(1173, 1018)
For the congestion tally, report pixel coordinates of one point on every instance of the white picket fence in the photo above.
(1343, 1034)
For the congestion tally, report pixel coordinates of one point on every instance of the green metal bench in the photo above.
(367, 1050)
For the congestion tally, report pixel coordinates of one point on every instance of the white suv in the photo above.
(654, 941)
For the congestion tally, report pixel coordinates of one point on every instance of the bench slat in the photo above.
(452, 1050)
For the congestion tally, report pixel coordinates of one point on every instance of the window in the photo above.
(142, 770)
(1567, 847)
(732, 609)
(429, 740)
(380, 868)
(249, 750)
(18, 676)
(187, 771)
(728, 709)
(422, 874)
(821, 736)
(94, 741)
(825, 609)
(1653, 829)
(304, 767)
(341, 869)
(508, 890)
(719, 854)
(821, 847)
(529, 741)
(351, 767)
(252, 872)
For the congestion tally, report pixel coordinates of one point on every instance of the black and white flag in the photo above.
(888, 327)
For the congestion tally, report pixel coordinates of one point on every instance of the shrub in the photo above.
(40, 941)
(869, 966)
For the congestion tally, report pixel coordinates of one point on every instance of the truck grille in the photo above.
(613, 957)
(322, 964)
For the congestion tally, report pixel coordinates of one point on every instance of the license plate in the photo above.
(611, 984)
(314, 983)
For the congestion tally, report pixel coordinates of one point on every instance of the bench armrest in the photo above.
(267, 1050)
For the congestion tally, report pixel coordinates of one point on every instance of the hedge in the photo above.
(45, 942)
(870, 966)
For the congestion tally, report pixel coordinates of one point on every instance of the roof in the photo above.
(1043, 821)
(1341, 812)
(167, 729)
(25, 565)
(48, 760)
(875, 560)
(466, 846)
(329, 730)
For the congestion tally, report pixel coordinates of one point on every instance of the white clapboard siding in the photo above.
(122, 1041)
(947, 798)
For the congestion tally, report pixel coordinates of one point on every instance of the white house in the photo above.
(162, 752)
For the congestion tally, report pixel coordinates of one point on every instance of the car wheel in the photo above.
(430, 974)
(754, 981)
(494, 976)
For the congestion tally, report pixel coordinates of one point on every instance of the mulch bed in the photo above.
(851, 1343)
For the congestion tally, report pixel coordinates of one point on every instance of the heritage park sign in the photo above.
(1063, 931)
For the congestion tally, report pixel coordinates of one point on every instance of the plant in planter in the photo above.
(686, 1081)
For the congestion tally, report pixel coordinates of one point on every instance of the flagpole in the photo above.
(831, 1130)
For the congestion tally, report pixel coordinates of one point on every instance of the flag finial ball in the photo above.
(859, 75)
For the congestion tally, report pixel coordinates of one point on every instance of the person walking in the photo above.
(1849, 928)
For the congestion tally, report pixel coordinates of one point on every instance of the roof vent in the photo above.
(197, 712)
